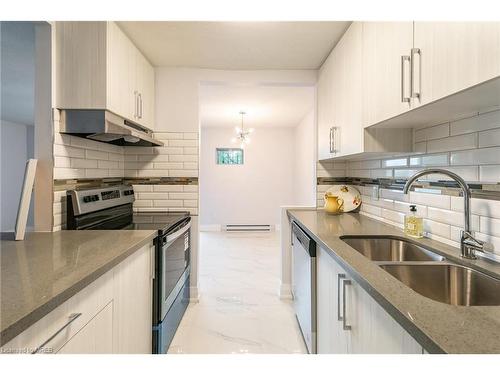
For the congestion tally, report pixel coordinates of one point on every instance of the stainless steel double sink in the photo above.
(427, 272)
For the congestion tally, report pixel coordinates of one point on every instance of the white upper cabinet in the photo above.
(348, 131)
(325, 109)
(454, 56)
(386, 70)
(98, 67)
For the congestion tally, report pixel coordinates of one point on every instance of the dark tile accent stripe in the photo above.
(479, 190)
(90, 183)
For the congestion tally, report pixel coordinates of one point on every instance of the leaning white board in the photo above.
(24, 202)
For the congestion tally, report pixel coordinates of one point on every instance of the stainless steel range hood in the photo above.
(104, 126)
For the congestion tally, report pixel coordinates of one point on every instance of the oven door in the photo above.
(174, 264)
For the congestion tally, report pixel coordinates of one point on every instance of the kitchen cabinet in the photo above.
(98, 67)
(454, 56)
(133, 291)
(325, 110)
(111, 315)
(386, 70)
(341, 105)
(350, 320)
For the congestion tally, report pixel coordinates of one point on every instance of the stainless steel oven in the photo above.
(172, 286)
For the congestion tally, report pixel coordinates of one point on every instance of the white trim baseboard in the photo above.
(211, 228)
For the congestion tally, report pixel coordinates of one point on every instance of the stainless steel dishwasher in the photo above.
(304, 285)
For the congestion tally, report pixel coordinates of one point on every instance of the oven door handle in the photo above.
(172, 237)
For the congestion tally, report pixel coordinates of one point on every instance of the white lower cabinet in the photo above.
(111, 315)
(350, 320)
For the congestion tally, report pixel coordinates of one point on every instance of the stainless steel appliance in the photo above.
(304, 285)
(111, 208)
(105, 126)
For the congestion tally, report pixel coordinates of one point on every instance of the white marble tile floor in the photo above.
(239, 309)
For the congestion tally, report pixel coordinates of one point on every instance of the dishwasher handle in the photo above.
(307, 242)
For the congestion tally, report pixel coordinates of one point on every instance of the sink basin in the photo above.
(390, 249)
(448, 283)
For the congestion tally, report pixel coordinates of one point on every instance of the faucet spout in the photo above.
(468, 243)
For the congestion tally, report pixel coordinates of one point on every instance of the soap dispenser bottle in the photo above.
(414, 224)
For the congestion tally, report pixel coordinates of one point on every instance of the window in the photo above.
(229, 156)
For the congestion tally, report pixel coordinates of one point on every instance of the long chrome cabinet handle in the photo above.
(415, 51)
(140, 105)
(344, 322)
(340, 276)
(404, 98)
(332, 140)
(136, 98)
(71, 318)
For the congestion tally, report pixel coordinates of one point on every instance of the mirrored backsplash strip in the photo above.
(444, 187)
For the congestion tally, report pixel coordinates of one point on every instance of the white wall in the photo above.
(304, 168)
(17, 147)
(251, 193)
(177, 107)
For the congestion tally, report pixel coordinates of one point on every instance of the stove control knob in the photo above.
(86, 199)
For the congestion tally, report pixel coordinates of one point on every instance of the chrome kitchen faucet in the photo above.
(468, 244)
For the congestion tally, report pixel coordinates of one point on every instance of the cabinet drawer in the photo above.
(88, 302)
(96, 337)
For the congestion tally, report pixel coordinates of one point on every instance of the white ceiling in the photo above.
(236, 45)
(266, 106)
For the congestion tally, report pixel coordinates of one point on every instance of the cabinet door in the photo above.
(455, 55)
(145, 86)
(373, 330)
(132, 287)
(384, 43)
(331, 339)
(95, 338)
(325, 108)
(120, 73)
(348, 96)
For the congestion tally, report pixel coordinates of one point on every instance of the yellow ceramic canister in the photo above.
(333, 204)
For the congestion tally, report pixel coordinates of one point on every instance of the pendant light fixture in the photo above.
(242, 135)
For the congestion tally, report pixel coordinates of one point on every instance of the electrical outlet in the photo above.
(375, 192)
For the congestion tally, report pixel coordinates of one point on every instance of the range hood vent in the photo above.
(104, 126)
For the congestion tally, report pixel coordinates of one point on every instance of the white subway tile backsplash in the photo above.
(482, 207)
(99, 155)
(191, 150)
(167, 203)
(61, 173)
(391, 215)
(490, 138)
(434, 200)
(190, 188)
(169, 135)
(464, 126)
(451, 217)
(489, 173)
(438, 131)
(381, 173)
(437, 228)
(393, 194)
(68, 151)
(170, 150)
(400, 162)
(183, 195)
(168, 165)
(183, 173)
(373, 210)
(489, 155)
(83, 163)
(96, 173)
(459, 142)
(62, 162)
(404, 173)
(429, 160)
(168, 188)
(484, 121)
(183, 143)
(489, 226)
(420, 147)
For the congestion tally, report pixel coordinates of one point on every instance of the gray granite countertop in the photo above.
(46, 269)
(438, 327)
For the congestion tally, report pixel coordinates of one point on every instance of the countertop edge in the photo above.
(427, 343)
(12, 331)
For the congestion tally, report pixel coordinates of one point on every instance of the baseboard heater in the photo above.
(248, 227)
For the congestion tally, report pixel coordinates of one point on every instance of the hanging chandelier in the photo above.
(242, 135)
